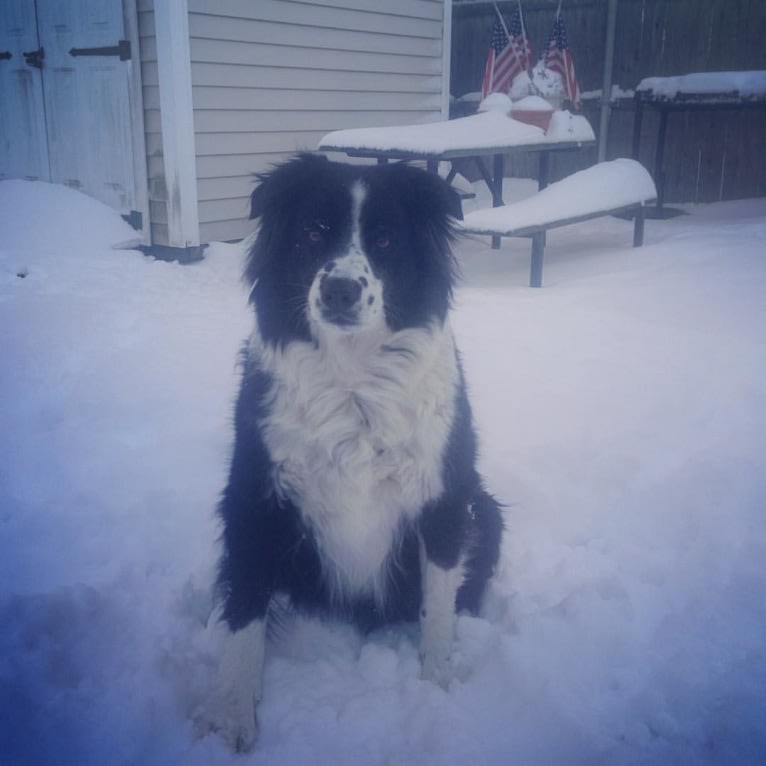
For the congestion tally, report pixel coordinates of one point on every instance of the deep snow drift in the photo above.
(622, 420)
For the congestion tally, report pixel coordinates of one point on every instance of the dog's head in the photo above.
(347, 248)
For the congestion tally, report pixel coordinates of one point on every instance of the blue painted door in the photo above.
(23, 140)
(70, 119)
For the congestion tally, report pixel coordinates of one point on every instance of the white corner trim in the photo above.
(140, 175)
(171, 20)
(446, 57)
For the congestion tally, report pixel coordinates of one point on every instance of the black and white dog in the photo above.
(353, 487)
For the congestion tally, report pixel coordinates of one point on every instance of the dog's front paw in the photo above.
(229, 711)
(232, 717)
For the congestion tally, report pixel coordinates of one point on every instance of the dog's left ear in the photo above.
(432, 193)
(457, 205)
(453, 203)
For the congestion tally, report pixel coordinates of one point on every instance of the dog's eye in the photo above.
(316, 232)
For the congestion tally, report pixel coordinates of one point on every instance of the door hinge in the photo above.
(122, 49)
(35, 58)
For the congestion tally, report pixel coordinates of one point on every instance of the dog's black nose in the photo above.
(339, 294)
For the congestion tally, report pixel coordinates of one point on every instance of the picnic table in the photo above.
(700, 91)
(487, 134)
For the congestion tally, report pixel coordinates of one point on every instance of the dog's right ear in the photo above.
(257, 200)
(260, 249)
(284, 181)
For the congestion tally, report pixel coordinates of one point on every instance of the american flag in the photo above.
(558, 58)
(506, 57)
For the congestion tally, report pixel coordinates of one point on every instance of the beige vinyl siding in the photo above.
(271, 77)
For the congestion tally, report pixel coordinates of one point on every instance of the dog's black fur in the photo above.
(272, 539)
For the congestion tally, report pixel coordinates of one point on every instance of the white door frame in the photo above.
(171, 19)
(136, 95)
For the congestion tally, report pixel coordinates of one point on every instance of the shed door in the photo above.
(84, 85)
(86, 89)
(23, 144)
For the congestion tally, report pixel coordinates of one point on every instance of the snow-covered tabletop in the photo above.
(479, 134)
(706, 86)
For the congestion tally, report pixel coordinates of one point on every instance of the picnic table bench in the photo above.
(608, 188)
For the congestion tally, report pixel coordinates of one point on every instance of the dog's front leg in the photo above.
(437, 617)
(230, 712)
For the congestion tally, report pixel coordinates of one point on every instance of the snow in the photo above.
(486, 130)
(621, 419)
(605, 186)
(617, 94)
(747, 84)
(51, 229)
(496, 102)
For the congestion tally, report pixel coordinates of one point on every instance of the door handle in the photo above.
(5, 55)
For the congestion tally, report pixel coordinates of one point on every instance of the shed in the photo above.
(164, 109)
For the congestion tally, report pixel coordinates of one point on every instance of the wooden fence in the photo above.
(709, 155)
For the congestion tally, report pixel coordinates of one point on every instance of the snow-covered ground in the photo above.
(622, 417)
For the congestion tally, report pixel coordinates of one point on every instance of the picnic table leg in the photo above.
(637, 120)
(544, 171)
(536, 267)
(659, 175)
(486, 177)
(638, 227)
(498, 170)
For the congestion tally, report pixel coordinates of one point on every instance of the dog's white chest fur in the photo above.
(356, 431)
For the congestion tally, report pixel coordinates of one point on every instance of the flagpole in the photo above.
(502, 21)
(524, 32)
(606, 89)
(505, 29)
(507, 33)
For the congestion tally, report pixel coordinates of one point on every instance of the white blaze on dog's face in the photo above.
(349, 251)
(345, 294)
